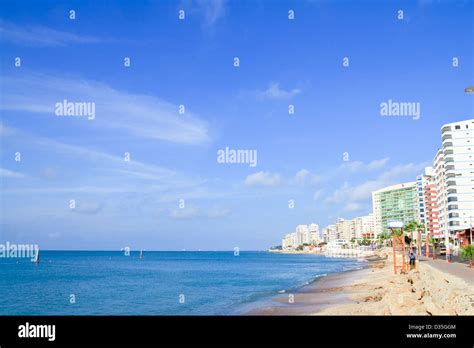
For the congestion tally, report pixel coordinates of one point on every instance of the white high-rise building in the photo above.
(363, 227)
(423, 191)
(302, 232)
(441, 194)
(454, 177)
(314, 237)
(343, 229)
(330, 233)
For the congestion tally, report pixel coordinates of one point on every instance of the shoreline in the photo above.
(376, 290)
(307, 299)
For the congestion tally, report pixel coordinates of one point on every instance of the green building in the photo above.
(396, 202)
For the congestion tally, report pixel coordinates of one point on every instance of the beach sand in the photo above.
(376, 290)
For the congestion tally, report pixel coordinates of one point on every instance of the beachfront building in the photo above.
(343, 229)
(454, 177)
(289, 242)
(428, 212)
(396, 202)
(363, 227)
(441, 194)
(329, 233)
(427, 203)
(431, 208)
(314, 237)
(304, 235)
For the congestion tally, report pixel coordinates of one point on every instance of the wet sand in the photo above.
(322, 293)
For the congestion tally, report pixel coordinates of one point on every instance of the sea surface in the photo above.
(162, 283)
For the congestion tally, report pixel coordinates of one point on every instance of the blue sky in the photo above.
(174, 156)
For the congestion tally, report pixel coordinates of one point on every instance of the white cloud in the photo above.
(6, 131)
(263, 179)
(304, 177)
(275, 92)
(188, 212)
(36, 35)
(139, 115)
(5, 173)
(353, 207)
(356, 166)
(352, 197)
(318, 194)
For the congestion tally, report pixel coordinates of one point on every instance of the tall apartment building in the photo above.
(396, 202)
(329, 233)
(454, 171)
(363, 227)
(302, 233)
(314, 237)
(343, 229)
(441, 194)
(431, 208)
(428, 213)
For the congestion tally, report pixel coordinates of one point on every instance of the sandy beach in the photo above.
(376, 290)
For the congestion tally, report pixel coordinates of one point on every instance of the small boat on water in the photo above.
(141, 253)
(36, 259)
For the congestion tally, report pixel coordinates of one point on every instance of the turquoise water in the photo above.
(110, 283)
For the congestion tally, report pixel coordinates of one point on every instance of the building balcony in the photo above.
(445, 129)
(448, 151)
(446, 136)
(448, 160)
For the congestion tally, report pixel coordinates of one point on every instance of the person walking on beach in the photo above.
(449, 253)
(412, 256)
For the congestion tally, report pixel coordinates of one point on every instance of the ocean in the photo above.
(162, 283)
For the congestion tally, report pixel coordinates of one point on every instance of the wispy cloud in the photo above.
(318, 194)
(100, 172)
(193, 211)
(139, 115)
(263, 179)
(305, 177)
(212, 9)
(275, 92)
(209, 10)
(5, 173)
(356, 166)
(36, 35)
(6, 131)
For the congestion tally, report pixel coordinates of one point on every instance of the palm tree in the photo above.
(433, 242)
(467, 252)
(411, 227)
